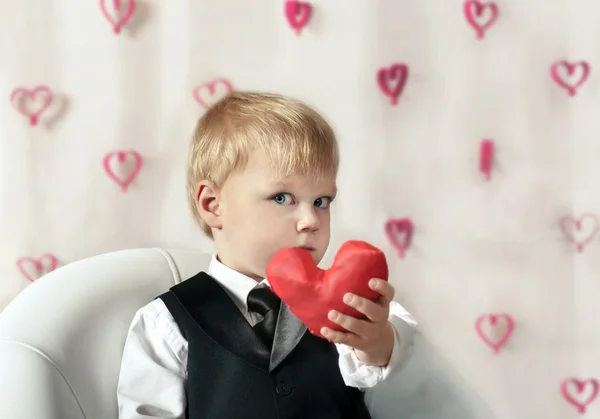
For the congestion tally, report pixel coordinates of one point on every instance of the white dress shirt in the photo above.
(154, 366)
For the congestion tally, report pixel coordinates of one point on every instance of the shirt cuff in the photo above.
(404, 330)
(358, 374)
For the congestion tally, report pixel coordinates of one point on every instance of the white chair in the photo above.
(61, 339)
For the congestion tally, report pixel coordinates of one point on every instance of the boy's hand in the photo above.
(373, 337)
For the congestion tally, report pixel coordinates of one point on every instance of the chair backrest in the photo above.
(61, 339)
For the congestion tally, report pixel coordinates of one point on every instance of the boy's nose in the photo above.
(308, 221)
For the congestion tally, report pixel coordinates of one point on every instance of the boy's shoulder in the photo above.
(158, 307)
(191, 284)
(187, 286)
(152, 310)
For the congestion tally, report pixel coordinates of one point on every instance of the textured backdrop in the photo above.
(476, 135)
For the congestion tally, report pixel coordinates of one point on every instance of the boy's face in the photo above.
(260, 215)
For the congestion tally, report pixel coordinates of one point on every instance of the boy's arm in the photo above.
(153, 373)
(358, 374)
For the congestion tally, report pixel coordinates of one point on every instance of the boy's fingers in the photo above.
(384, 288)
(345, 338)
(351, 324)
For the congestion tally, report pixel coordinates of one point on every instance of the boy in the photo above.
(261, 177)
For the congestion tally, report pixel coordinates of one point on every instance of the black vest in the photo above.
(233, 375)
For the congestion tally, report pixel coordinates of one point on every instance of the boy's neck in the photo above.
(224, 263)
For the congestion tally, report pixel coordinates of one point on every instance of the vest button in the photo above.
(283, 390)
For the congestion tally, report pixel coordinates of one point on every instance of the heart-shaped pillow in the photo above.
(311, 292)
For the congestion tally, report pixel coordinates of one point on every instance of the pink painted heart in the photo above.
(208, 94)
(481, 16)
(32, 103)
(399, 232)
(568, 80)
(500, 328)
(580, 231)
(572, 390)
(392, 80)
(32, 268)
(123, 167)
(118, 16)
(298, 14)
(486, 158)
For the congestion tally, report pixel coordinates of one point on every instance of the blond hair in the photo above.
(295, 137)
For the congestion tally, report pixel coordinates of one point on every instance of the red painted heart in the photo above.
(211, 88)
(473, 10)
(486, 157)
(494, 342)
(570, 85)
(40, 98)
(580, 386)
(311, 292)
(122, 16)
(399, 232)
(392, 80)
(298, 14)
(574, 229)
(122, 157)
(34, 268)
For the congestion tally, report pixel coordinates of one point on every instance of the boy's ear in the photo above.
(208, 203)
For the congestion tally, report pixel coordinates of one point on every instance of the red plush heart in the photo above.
(311, 292)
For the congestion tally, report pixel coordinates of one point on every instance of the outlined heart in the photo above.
(311, 292)
(122, 158)
(572, 85)
(498, 335)
(399, 232)
(579, 386)
(572, 228)
(392, 80)
(298, 14)
(474, 13)
(33, 269)
(118, 16)
(39, 98)
(210, 88)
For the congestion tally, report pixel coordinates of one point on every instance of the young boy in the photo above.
(261, 177)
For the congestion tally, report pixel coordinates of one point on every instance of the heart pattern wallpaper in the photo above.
(470, 156)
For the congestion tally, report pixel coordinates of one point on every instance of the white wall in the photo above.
(479, 246)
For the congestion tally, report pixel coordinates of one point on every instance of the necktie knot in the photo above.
(262, 299)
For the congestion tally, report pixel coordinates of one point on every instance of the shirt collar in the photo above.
(237, 285)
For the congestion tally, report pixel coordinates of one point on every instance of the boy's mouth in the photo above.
(310, 249)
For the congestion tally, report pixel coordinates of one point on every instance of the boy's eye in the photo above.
(283, 198)
(322, 202)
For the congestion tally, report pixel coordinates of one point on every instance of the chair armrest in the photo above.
(32, 387)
